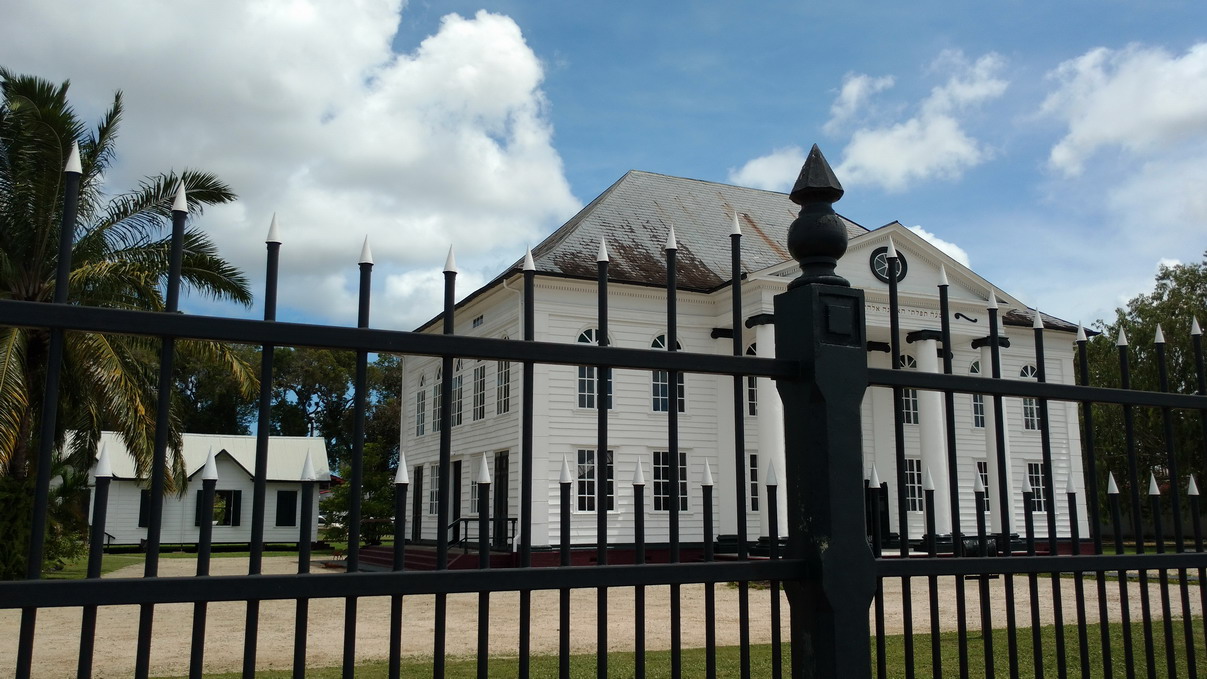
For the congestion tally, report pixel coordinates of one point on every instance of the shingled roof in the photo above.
(636, 213)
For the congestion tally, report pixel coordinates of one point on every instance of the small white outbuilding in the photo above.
(235, 459)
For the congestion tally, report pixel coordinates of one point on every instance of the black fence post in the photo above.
(820, 324)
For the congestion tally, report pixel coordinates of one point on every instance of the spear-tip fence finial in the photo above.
(671, 242)
(274, 231)
(483, 470)
(978, 486)
(772, 479)
(529, 265)
(929, 482)
(874, 482)
(1192, 488)
(73, 160)
(1159, 337)
(707, 481)
(366, 254)
(104, 467)
(210, 471)
(892, 249)
(736, 229)
(1070, 487)
(450, 262)
(1037, 319)
(1112, 488)
(1122, 341)
(992, 303)
(1081, 333)
(181, 203)
(1153, 488)
(402, 476)
(602, 255)
(565, 476)
(943, 277)
(308, 468)
(816, 181)
(1194, 326)
(638, 475)
(1027, 487)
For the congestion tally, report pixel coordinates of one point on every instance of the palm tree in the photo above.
(119, 259)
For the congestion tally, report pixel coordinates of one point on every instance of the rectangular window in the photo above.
(978, 410)
(473, 498)
(662, 481)
(287, 508)
(228, 508)
(752, 395)
(661, 401)
(458, 400)
(433, 492)
(479, 392)
(585, 488)
(1035, 476)
(420, 411)
(502, 388)
(436, 409)
(914, 498)
(982, 470)
(754, 482)
(477, 321)
(1031, 414)
(909, 406)
(587, 385)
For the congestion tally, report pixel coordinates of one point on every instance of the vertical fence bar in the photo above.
(773, 531)
(302, 608)
(445, 465)
(639, 558)
(142, 662)
(72, 172)
(359, 400)
(710, 594)
(1154, 499)
(739, 442)
(1091, 465)
(563, 632)
(1083, 641)
(1049, 491)
(932, 581)
(1196, 518)
(402, 483)
(96, 544)
(483, 564)
(1129, 660)
(526, 479)
(907, 606)
(953, 487)
(205, 515)
(820, 322)
(602, 397)
(875, 492)
(1037, 648)
(263, 428)
(978, 492)
(672, 444)
(1005, 501)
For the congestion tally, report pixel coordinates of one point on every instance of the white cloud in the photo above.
(946, 247)
(306, 111)
(857, 88)
(775, 171)
(1140, 99)
(933, 143)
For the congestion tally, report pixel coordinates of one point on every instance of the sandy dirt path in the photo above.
(57, 637)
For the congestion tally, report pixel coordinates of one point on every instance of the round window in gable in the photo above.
(879, 264)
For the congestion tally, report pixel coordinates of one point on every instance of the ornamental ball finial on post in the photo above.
(817, 238)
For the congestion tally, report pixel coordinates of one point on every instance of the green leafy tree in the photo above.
(312, 396)
(213, 399)
(120, 258)
(1179, 296)
(376, 503)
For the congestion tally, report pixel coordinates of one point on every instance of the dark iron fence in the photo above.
(837, 561)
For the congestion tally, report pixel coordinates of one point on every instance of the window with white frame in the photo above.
(754, 482)
(978, 400)
(479, 411)
(588, 375)
(662, 481)
(588, 475)
(1030, 403)
(752, 386)
(1035, 476)
(909, 397)
(458, 396)
(502, 387)
(473, 498)
(433, 491)
(914, 497)
(437, 385)
(982, 470)
(421, 409)
(661, 402)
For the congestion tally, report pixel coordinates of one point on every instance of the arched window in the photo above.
(502, 386)
(978, 400)
(661, 382)
(909, 397)
(752, 386)
(587, 375)
(437, 385)
(421, 408)
(458, 395)
(1030, 403)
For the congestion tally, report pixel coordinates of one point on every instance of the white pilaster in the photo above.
(931, 436)
(995, 500)
(771, 429)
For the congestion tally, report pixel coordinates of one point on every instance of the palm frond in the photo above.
(14, 396)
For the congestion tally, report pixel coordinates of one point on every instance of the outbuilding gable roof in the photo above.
(286, 454)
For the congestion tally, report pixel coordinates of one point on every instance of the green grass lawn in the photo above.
(658, 663)
(120, 558)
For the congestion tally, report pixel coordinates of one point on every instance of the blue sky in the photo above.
(1062, 147)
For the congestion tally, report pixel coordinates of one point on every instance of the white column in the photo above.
(771, 432)
(995, 511)
(931, 436)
